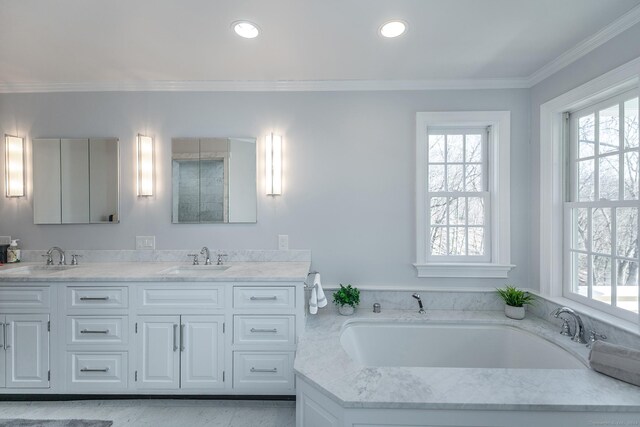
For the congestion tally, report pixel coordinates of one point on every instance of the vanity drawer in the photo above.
(97, 297)
(264, 297)
(264, 329)
(24, 297)
(97, 330)
(203, 296)
(97, 371)
(263, 370)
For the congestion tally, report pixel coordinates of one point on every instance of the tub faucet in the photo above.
(60, 251)
(203, 251)
(417, 296)
(578, 335)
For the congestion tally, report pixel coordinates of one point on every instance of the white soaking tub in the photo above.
(452, 345)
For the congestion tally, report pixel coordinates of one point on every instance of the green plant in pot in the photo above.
(346, 298)
(515, 301)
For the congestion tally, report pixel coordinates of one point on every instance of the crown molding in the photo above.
(589, 44)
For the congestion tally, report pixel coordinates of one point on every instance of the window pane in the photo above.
(585, 188)
(476, 210)
(627, 232)
(601, 279)
(455, 178)
(586, 136)
(457, 211)
(609, 177)
(631, 139)
(436, 148)
(438, 211)
(455, 148)
(631, 175)
(436, 178)
(474, 177)
(438, 240)
(580, 274)
(473, 149)
(601, 231)
(580, 229)
(627, 289)
(457, 240)
(609, 130)
(476, 240)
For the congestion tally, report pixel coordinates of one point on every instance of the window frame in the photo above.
(498, 186)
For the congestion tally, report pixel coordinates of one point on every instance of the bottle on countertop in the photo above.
(13, 252)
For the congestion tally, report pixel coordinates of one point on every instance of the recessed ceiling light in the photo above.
(393, 29)
(245, 29)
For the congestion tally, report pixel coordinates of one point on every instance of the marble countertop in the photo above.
(322, 362)
(156, 272)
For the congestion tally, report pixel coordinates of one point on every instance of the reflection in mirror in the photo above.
(214, 180)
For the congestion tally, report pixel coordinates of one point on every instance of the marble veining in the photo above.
(322, 361)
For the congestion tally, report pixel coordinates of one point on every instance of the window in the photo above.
(601, 214)
(463, 194)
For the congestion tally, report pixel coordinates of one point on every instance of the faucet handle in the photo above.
(220, 258)
(74, 259)
(49, 259)
(566, 329)
(195, 259)
(595, 336)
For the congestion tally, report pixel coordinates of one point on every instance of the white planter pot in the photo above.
(514, 312)
(345, 310)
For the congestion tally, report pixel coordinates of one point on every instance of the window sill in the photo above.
(464, 270)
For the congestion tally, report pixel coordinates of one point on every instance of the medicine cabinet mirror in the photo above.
(214, 180)
(75, 181)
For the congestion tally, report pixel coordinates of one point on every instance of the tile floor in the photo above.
(161, 413)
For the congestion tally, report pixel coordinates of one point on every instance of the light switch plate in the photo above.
(283, 242)
(145, 242)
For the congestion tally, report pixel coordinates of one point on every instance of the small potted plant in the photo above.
(346, 298)
(514, 301)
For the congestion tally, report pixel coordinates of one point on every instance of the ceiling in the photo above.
(96, 42)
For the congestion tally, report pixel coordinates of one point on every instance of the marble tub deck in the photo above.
(322, 362)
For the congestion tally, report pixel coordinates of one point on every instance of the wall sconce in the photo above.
(14, 166)
(273, 169)
(145, 166)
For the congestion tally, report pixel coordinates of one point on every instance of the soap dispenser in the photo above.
(13, 252)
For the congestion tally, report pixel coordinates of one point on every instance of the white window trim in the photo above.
(553, 168)
(498, 157)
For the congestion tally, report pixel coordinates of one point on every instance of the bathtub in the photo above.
(453, 345)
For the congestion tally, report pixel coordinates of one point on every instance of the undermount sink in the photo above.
(195, 270)
(38, 269)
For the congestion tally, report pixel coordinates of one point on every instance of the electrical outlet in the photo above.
(145, 242)
(5, 240)
(283, 242)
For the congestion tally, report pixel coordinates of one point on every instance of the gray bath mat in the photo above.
(54, 423)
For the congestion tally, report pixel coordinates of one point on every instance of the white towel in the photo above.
(317, 298)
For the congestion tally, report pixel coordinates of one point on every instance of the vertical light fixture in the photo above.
(14, 166)
(273, 169)
(145, 166)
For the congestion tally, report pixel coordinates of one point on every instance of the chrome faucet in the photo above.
(578, 334)
(417, 296)
(60, 251)
(220, 262)
(203, 251)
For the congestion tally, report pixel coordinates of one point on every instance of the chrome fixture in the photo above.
(195, 259)
(417, 296)
(595, 336)
(566, 329)
(60, 251)
(578, 333)
(220, 259)
(74, 259)
(205, 251)
(376, 307)
(49, 259)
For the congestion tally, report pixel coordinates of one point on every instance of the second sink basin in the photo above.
(195, 270)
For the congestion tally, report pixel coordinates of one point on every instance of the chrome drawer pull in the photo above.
(87, 331)
(254, 298)
(94, 298)
(95, 369)
(274, 330)
(273, 371)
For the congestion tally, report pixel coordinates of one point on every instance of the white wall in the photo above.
(348, 175)
(617, 51)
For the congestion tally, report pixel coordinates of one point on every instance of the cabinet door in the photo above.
(203, 352)
(74, 178)
(46, 181)
(158, 352)
(3, 354)
(27, 351)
